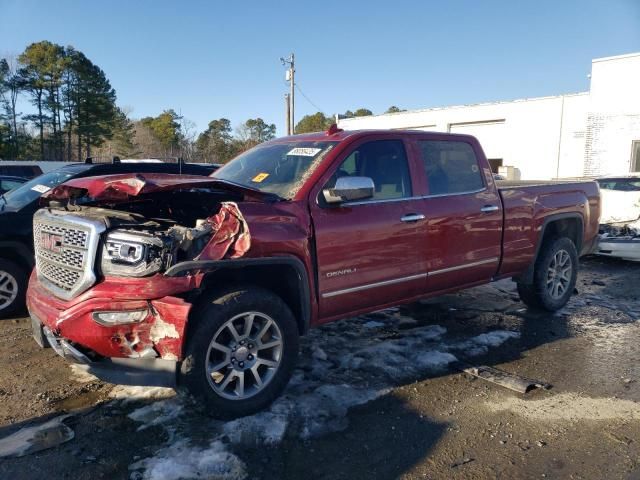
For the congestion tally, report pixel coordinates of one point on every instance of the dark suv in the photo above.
(16, 218)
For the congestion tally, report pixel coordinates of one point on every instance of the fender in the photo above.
(527, 276)
(304, 291)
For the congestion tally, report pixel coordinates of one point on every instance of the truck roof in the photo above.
(340, 135)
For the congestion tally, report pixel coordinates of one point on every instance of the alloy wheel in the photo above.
(244, 355)
(559, 274)
(8, 289)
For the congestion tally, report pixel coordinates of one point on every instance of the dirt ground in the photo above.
(378, 396)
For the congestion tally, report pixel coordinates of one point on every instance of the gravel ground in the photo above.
(378, 396)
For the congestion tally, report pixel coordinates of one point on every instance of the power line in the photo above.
(309, 100)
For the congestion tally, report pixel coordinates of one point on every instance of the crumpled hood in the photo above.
(124, 186)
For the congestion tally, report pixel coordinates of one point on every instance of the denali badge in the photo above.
(51, 242)
(339, 273)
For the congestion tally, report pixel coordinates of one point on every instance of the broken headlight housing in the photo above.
(131, 254)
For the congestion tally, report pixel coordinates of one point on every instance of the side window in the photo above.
(451, 167)
(385, 162)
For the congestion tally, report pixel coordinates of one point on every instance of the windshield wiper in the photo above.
(4, 202)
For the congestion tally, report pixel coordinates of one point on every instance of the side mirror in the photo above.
(349, 189)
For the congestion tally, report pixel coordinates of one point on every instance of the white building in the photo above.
(581, 134)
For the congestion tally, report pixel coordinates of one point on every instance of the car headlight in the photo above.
(109, 319)
(131, 254)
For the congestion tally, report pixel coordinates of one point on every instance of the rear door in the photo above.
(463, 210)
(370, 252)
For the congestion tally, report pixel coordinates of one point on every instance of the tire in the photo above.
(211, 370)
(13, 287)
(553, 284)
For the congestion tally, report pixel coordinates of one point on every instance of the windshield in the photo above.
(621, 184)
(279, 168)
(34, 188)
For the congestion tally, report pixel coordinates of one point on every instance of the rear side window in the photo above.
(385, 162)
(451, 167)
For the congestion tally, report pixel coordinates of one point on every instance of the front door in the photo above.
(370, 252)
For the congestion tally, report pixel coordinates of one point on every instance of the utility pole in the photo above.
(290, 77)
(287, 113)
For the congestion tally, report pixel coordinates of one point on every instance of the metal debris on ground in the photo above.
(504, 379)
(36, 438)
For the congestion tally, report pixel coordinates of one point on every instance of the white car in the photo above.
(620, 217)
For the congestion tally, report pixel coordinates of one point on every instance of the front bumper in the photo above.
(152, 372)
(626, 248)
(141, 353)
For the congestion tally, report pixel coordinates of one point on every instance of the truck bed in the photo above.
(529, 205)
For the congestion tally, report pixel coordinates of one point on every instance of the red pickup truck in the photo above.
(207, 283)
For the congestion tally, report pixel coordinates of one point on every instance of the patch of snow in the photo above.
(319, 354)
(79, 374)
(266, 428)
(128, 393)
(36, 438)
(157, 413)
(181, 460)
(480, 344)
(397, 357)
(495, 338)
(373, 324)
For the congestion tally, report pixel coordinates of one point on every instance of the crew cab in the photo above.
(207, 283)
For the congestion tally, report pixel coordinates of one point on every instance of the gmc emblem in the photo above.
(51, 242)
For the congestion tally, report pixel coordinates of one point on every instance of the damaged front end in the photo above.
(619, 234)
(102, 252)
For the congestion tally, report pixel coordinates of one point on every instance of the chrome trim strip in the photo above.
(466, 265)
(454, 194)
(386, 200)
(406, 279)
(400, 199)
(374, 285)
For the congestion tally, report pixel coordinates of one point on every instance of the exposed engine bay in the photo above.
(150, 233)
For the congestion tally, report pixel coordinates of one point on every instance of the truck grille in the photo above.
(65, 248)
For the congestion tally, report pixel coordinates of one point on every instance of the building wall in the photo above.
(614, 119)
(523, 133)
(571, 135)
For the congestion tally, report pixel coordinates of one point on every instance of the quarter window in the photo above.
(451, 167)
(385, 162)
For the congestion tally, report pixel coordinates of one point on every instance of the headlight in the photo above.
(131, 254)
(110, 319)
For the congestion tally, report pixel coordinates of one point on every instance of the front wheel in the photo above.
(13, 286)
(554, 277)
(241, 353)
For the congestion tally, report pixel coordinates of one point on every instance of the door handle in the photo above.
(489, 208)
(412, 217)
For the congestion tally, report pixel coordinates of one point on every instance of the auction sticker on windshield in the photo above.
(40, 188)
(259, 177)
(304, 151)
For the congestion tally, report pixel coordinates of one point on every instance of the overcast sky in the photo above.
(213, 59)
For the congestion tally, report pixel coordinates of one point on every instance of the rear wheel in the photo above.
(240, 355)
(554, 277)
(13, 285)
